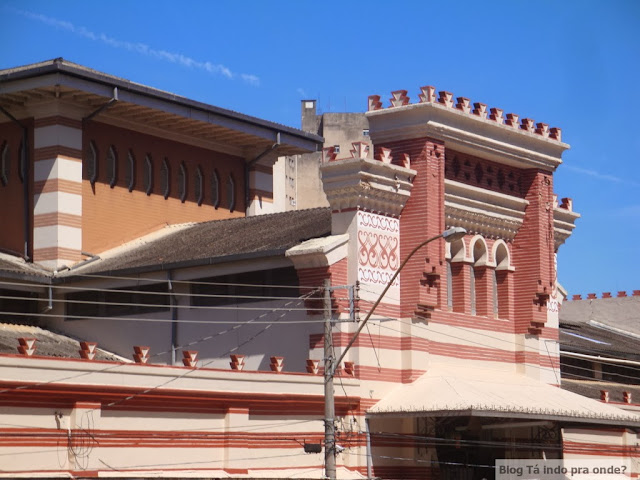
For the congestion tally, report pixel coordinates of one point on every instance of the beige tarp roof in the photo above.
(451, 391)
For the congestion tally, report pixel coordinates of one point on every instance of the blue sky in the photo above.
(571, 64)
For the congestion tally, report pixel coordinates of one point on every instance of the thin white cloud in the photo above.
(250, 79)
(629, 212)
(301, 92)
(141, 48)
(601, 176)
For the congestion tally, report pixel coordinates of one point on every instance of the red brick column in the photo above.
(422, 218)
(461, 285)
(484, 290)
(504, 279)
(311, 279)
(533, 249)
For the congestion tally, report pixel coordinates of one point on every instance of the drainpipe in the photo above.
(174, 319)
(24, 161)
(247, 167)
(93, 258)
(114, 99)
(49, 306)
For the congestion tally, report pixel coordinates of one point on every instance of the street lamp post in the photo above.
(330, 366)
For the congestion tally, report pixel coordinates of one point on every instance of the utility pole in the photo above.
(330, 363)
(329, 403)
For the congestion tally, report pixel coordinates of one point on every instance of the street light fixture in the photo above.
(450, 235)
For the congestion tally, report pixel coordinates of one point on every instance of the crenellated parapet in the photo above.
(399, 98)
(465, 126)
(620, 294)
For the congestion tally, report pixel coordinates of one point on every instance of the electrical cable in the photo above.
(168, 320)
(387, 327)
(189, 282)
(241, 428)
(190, 371)
(492, 337)
(254, 321)
(119, 364)
(432, 440)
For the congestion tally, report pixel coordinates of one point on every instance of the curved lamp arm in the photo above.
(450, 235)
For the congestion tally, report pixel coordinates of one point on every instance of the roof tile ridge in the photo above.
(262, 216)
(609, 328)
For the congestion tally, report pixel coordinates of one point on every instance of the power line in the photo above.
(119, 364)
(241, 428)
(165, 305)
(189, 282)
(188, 372)
(168, 320)
(153, 281)
(500, 339)
(532, 365)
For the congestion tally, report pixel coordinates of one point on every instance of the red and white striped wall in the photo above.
(260, 190)
(57, 196)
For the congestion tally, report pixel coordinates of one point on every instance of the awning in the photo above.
(454, 391)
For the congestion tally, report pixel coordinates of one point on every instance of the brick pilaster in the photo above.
(504, 279)
(533, 249)
(484, 290)
(422, 218)
(461, 287)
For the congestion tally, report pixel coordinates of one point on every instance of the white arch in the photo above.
(478, 251)
(456, 251)
(501, 255)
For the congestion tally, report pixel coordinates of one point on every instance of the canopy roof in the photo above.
(455, 391)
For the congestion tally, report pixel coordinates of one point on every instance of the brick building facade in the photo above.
(144, 238)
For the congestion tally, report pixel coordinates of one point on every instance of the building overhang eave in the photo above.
(242, 134)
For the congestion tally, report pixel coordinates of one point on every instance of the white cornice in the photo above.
(564, 221)
(319, 252)
(467, 133)
(482, 211)
(367, 184)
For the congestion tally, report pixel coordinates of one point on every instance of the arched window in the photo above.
(198, 187)
(165, 177)
(215, 189)
(92, 163)
(148, 175)
(182, 183)
(4, 164)
(130, 173)
(231, 193)
(112, 167)
(457, 293)
(503, 281)
(479, 279)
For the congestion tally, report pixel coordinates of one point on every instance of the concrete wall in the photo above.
(297, 183)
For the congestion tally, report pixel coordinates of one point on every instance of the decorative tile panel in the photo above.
(378, 252)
